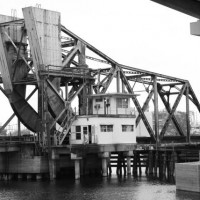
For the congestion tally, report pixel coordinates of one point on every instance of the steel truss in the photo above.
(80, 81)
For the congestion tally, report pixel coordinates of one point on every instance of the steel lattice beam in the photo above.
(169, 110)
(172, 111)
(137, 105)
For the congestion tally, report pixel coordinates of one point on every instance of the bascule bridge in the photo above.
(64, 70)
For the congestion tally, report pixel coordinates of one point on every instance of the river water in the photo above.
(94, 188)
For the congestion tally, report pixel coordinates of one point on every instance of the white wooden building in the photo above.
(112, 121)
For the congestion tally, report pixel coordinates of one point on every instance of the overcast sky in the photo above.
(138, 33)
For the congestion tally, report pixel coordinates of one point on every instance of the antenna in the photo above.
(38, 5)
(14, 14)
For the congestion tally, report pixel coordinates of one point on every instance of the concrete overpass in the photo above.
(189, 7)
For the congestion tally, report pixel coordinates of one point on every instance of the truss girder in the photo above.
(194, 98)
(187, 114)
(109, 79)
(70, 56)
(144, 107)
(79, 89)
(102, 85)
(99, 53)
(137, 105)
(171, 113)
(105, 76)
(169, 110)
(66, 129)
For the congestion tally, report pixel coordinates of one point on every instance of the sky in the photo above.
(138, 33)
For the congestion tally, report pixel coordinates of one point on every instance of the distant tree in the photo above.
(23, 132)
(171, 130)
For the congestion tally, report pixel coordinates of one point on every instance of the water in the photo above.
(92, 188)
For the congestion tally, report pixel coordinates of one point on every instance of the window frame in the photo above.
(105, 128)
(122, 103)
(125, 128)
(78, 132)
(99, 100)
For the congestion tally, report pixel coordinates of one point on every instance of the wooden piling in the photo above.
(128, 156)
(139, 163)
(109, 165)
(168, 165)
(121, 163)
(160, 165)
(119, 167)
(150, 162)
(155, 162)
(135, 163)
(164, 164)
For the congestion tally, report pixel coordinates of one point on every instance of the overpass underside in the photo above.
(189, 7)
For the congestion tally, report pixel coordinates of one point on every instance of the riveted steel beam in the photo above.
(166, 104)
(144, 107)
(172, 111)
(137, 105)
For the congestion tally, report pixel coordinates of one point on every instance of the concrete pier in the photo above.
(104, 156)
(129, 154)
(77, 161)
(104, 167)
(38, 176)
(19, 176)
(28, 176)
(53, 164)
(77, 168)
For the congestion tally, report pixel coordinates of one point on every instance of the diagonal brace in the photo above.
(146, 103)
(70, 56)
(110, 76)
(171, 113)
(136, 102)
(13, 115)
(169, 110)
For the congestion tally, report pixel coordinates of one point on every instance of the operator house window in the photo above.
(122, 103)
(99, 100)
(106, 128)
(127, 128)
(78, 132)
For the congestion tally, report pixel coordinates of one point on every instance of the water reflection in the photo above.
(184, 195)
(94, 188)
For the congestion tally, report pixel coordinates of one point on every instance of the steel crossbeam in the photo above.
(137, 105)
(169, 110)
(172, 111)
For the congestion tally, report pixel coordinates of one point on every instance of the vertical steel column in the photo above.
(41, 108)
(123, 87)
(118, 84)
(66, 92)
(187, 115)
(82, 95)
(46, 125)
(156, 111)
(19, 127)
(118, 80)
(89, 101)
